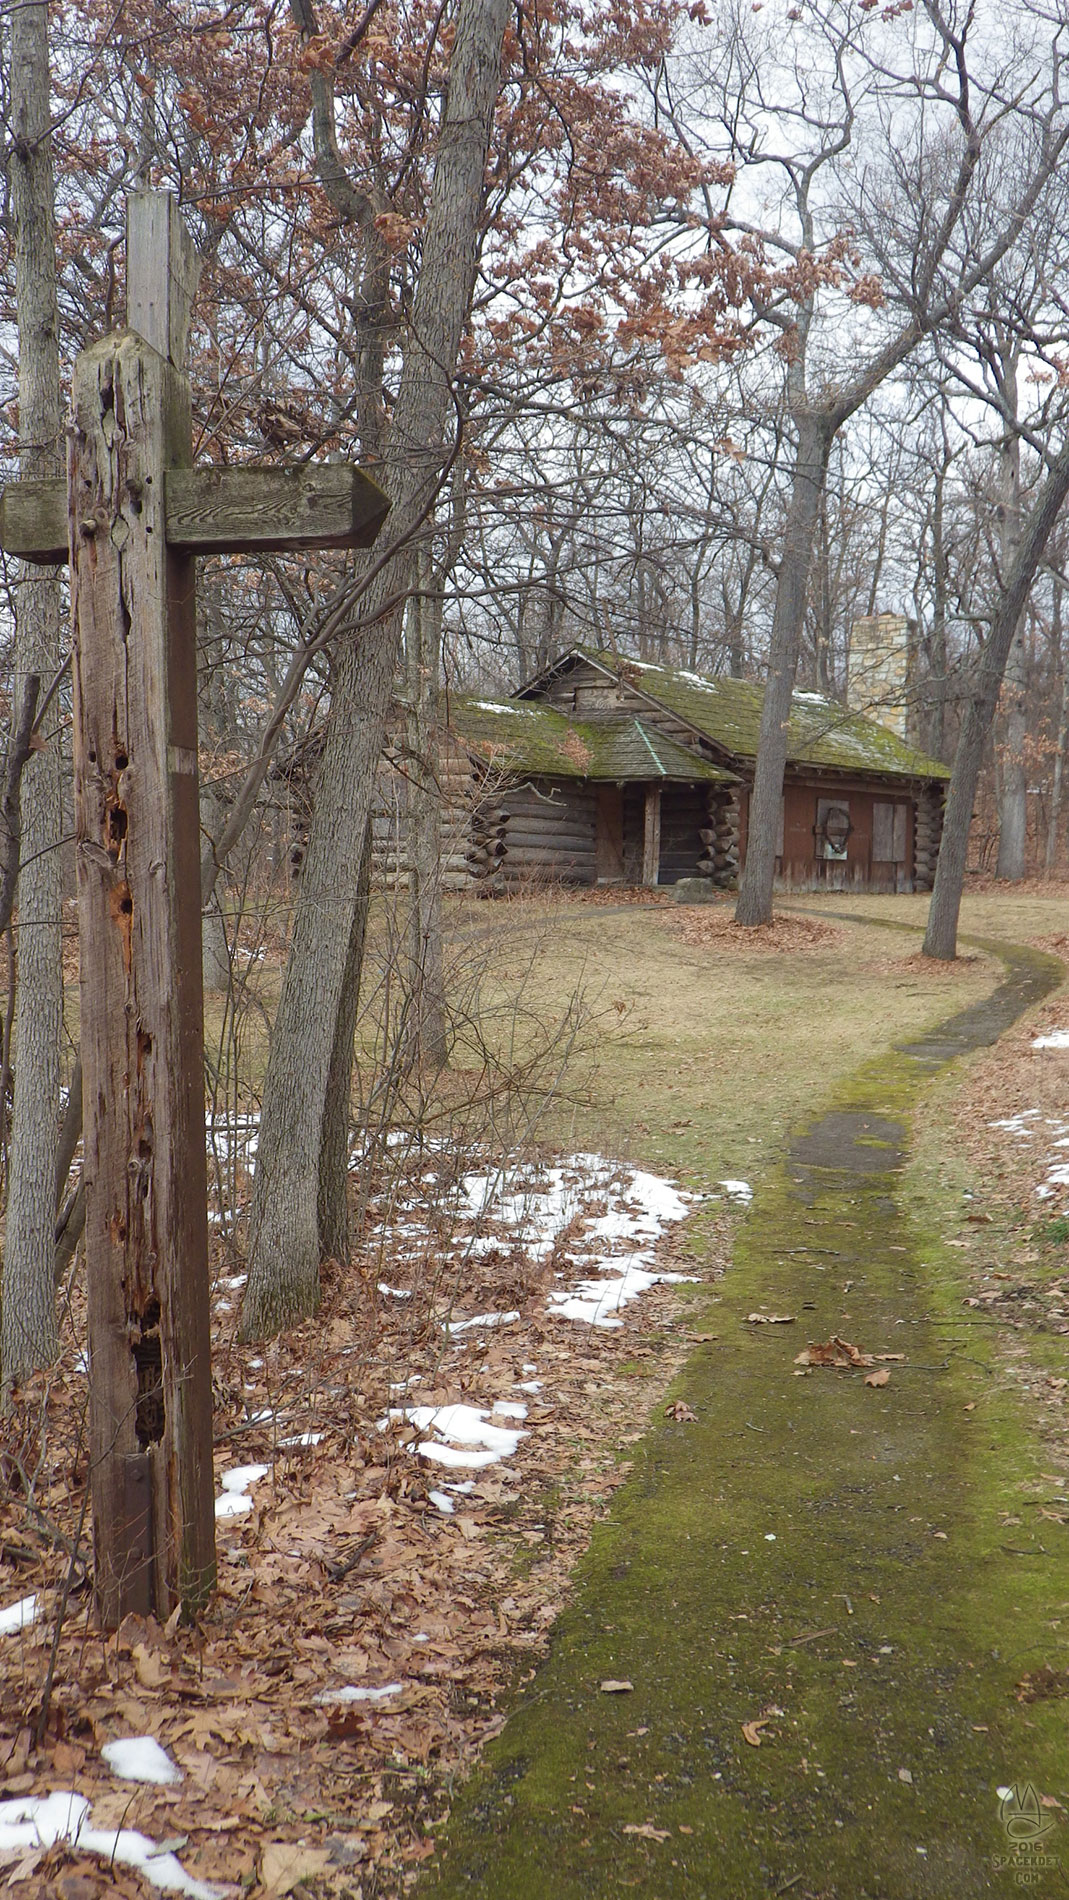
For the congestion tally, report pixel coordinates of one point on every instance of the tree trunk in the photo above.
(935, 686)
(1062, 739)
(815, 433)
(28, 1335)
(284, 1231)
(334, 1240)
(940, 938)
(426, 1042)
(1013, 791)
(1013, 798)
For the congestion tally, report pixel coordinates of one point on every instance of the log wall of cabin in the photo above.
(799, 863)
(684, 814)
(549, 834)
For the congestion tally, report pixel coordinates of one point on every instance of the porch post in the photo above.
(651, 837)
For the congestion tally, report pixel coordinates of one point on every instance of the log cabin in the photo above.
(610, 770)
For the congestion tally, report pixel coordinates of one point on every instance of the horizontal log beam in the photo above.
(219, 511)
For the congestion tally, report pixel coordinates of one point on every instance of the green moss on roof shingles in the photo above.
(728, 712)
(537, 740)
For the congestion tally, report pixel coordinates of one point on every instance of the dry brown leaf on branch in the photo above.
(878, 1378)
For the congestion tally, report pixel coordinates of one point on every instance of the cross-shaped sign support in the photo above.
(131, 516)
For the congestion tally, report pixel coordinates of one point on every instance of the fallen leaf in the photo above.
(878, 1378)
(648, 1832)
(770, 1319)
(612, 1687)
(283, 1864)
(752, 1730)
(904, 1775)
(1041, 1683)
(833, 1352)
(150, 1671)
(681, 1413)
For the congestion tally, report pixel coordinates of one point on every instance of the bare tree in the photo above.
(887, 206)
(28, 1336)
(284, 1240)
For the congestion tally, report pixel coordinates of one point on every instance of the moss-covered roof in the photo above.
(728, 713)
(524, 736)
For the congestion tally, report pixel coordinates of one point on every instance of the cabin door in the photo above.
(609, 834)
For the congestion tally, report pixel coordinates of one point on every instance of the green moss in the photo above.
(524, 737)
(728, 712)
(861, 1569)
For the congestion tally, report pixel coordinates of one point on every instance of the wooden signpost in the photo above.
(130, 518)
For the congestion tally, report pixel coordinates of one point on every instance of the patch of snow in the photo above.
(302, 1440)
(509, 1408)
(19, 1616)
(235, 1501)
(140, 1758)
(395, 1292)
(738, 1191)
(353, 1692)
(443, 1502)
(1015, 1124)
(596, 1301)
(458, 1427)
(529, 1385)
(1058, 1039)
(481, 1319)
(40, 1820)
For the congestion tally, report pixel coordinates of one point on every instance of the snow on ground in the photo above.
(1031, 1125)
(567, 1212)
(354, 1692)
(140, 1758)
(18, 1616)
(235, 1500)
(598, 1302)
(37, 1821)
(463, 1435)
(738, 1191)
(1056, 1039)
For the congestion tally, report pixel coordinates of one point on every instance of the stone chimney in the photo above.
(881, 663)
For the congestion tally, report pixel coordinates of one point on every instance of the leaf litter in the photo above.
(379, 1590)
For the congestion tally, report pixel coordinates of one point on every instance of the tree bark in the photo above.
(334, 1240)
(815, 434)
(284, 1229)
(426, 1041)
(1013, 791)
(28, 1335)
(940, 938)
(1062, 738)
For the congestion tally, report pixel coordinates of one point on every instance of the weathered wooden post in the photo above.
(138, 862)
(132, 515)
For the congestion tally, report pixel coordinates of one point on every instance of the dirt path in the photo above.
(824, 1593)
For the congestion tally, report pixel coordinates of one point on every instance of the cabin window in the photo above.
(890, 825)
(834, 826)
